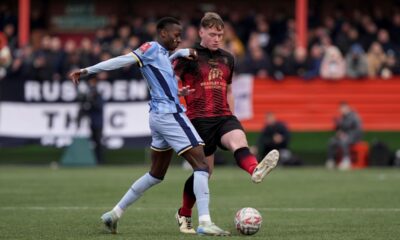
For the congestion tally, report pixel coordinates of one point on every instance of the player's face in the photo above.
(173, 37)
(211, 38)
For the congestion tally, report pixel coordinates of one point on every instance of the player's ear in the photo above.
(163, 33)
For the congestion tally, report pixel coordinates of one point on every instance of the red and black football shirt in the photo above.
(210, 76)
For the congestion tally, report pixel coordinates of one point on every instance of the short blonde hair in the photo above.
(212, 19)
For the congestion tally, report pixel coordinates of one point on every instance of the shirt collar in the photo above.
(163, 49)
(199, 47)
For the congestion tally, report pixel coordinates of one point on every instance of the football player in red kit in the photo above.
(209, 107)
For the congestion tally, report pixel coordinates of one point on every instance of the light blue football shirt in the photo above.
(155, 65)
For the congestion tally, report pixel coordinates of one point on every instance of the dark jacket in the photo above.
(92, 105)
(350, 124)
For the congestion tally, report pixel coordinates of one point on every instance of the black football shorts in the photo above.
(212, 129)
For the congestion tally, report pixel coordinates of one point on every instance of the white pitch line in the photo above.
(87, 208)
(331, 209)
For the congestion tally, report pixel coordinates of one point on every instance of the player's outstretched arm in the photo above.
(188, 53)
(108, 65)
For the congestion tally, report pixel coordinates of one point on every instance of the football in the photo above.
(248, 221)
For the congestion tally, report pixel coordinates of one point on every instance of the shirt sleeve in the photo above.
(113, 63)
(146, 53)
(185, 52)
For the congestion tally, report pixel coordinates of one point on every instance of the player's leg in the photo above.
(161, 154)
(182, 136)
(234, 139)
(210, 163)
(160, 163)
(197, 160)
(207, 131)
(188, 198)
(184, 214)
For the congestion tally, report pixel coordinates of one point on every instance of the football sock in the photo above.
(135, 192)
(188, 199)
(201, 191)
(118, 211)
(245, 160)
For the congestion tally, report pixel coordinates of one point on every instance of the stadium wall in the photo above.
(308, 107)
(311, 105)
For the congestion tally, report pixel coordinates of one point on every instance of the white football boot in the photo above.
(110, 220)
(265, 166)
(210, 229)
(185, 224)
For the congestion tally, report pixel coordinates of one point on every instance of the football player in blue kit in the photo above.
(170, 128)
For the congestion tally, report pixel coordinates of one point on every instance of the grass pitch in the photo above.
(304, 203)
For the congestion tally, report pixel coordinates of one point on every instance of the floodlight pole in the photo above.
(301, 23)
(23, 22)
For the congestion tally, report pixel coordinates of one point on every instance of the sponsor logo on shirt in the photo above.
(145, 47)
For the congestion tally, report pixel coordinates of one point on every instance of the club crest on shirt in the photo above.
(215, 73)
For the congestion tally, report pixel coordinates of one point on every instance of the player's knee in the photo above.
(201, 165)
(233, 146)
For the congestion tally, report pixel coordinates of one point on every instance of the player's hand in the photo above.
(186, 90)
(76, 75)
(192, 54)
(278, 138)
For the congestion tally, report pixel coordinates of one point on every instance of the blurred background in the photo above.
(296, 60)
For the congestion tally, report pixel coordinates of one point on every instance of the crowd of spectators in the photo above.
(352, 44)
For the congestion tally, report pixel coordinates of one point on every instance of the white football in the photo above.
(248, 221)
